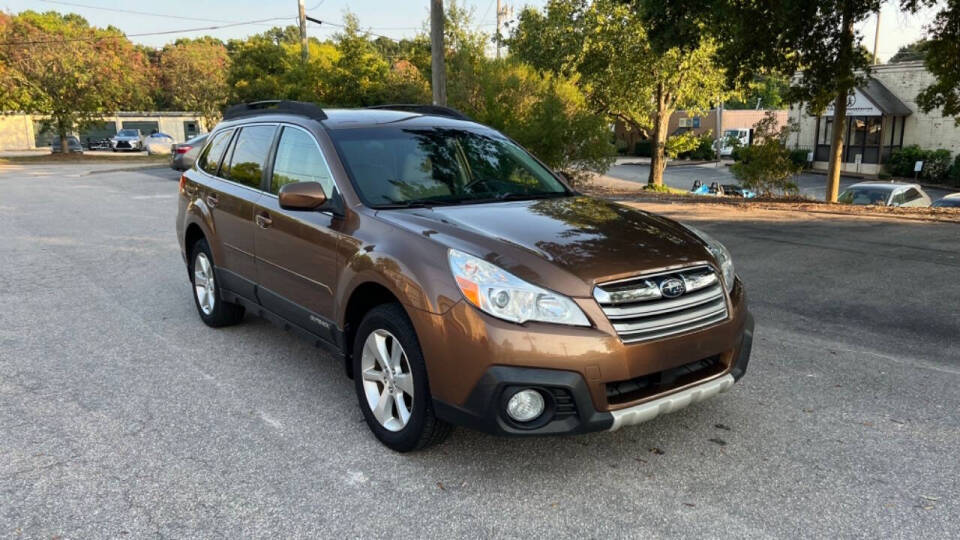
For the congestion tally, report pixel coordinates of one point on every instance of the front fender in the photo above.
(421, 282)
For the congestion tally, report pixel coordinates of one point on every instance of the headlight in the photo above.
(503, 295)
(721, 254)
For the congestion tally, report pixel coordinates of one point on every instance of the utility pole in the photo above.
(438, 65)
(876, 39)
(499, 11)
(303, 31)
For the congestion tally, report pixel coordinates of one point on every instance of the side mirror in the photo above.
(302, 196)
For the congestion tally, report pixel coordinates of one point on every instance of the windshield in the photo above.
(864, 196)
(128, 133)
(394, 167)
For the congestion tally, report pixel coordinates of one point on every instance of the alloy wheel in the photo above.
(387, 380)
(203, 283)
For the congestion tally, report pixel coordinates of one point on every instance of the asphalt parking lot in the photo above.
(121, 415)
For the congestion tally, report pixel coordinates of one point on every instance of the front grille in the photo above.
(640, 311)
(663, 381)
(123, 144)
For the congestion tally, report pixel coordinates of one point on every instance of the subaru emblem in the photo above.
(672, 287)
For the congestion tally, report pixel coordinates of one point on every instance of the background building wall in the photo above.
(927, 130)
(21, 131)
(16, 132)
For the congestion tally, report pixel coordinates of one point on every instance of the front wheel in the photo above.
(211, 307)
(391, 382)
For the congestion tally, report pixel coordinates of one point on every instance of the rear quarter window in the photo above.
(212, 155)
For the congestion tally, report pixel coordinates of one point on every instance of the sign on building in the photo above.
(857, 105)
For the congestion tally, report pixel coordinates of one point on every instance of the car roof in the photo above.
(360, 118)
(883, 185)
(353, 118)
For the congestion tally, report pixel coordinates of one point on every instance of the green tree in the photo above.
(606, 44)
(357, 77)
(60, 67)
(193, 77)
(268, 66)
(764, 92)
(943, 61)
(817, 39)
(765, 166)
(910, 52)
(546, 113)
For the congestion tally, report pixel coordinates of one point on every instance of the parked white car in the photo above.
(158, 143)
(127, 139)
(885, 194)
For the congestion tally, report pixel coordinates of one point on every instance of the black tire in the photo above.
(423, 429)
(223, 313)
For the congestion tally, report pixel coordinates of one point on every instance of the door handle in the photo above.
(212, 200)
(263, 220)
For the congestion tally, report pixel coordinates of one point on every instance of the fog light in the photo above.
(525, 405)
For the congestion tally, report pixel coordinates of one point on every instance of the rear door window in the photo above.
(911, 195)
(211, 158)
(249, 155)
(300, 160)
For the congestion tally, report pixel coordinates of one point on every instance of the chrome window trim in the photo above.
(222, 179)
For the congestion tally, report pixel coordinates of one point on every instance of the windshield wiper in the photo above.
(528, 196)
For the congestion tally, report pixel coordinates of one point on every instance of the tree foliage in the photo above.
(606, 45)
(910, 52)
(71, 86)
(193, 77)
(943, 61)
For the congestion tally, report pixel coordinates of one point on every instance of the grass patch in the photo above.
(84, 158)
(664, 189)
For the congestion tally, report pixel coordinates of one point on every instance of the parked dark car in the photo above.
(184, 155)
(458, 279)
(73, 145)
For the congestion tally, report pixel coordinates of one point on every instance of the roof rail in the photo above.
(431, 110)
(270, 106)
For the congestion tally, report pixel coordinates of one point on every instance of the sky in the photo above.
(392, 18)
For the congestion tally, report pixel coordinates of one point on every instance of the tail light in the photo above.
(183, 149)
(183, 182)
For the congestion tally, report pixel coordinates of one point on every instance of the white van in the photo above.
(740, 134)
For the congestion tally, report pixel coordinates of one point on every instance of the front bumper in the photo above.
(571, 405)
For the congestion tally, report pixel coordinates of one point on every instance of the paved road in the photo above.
(121, 415)
(683, 175)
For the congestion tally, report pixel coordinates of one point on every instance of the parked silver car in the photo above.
(158, 143)
(949, 201)
(184, 155)
(885, 194)
(127, 139)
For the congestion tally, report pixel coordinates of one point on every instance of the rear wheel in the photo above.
(391, 382)
(211, 307)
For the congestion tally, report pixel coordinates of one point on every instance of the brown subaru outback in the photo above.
(458, 279)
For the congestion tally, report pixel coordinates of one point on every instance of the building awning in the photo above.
(873, 99)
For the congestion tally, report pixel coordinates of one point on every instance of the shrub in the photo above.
(884, 176)
(955, 171)
(799, 157)
(766, 166)
(704, 150)
(643, 148)
(936, 163)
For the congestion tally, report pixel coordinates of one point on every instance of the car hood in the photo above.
(566, 244)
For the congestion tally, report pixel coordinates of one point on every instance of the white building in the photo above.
(882, 116)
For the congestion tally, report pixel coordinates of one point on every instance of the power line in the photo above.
(127, 36)
(134, 12)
